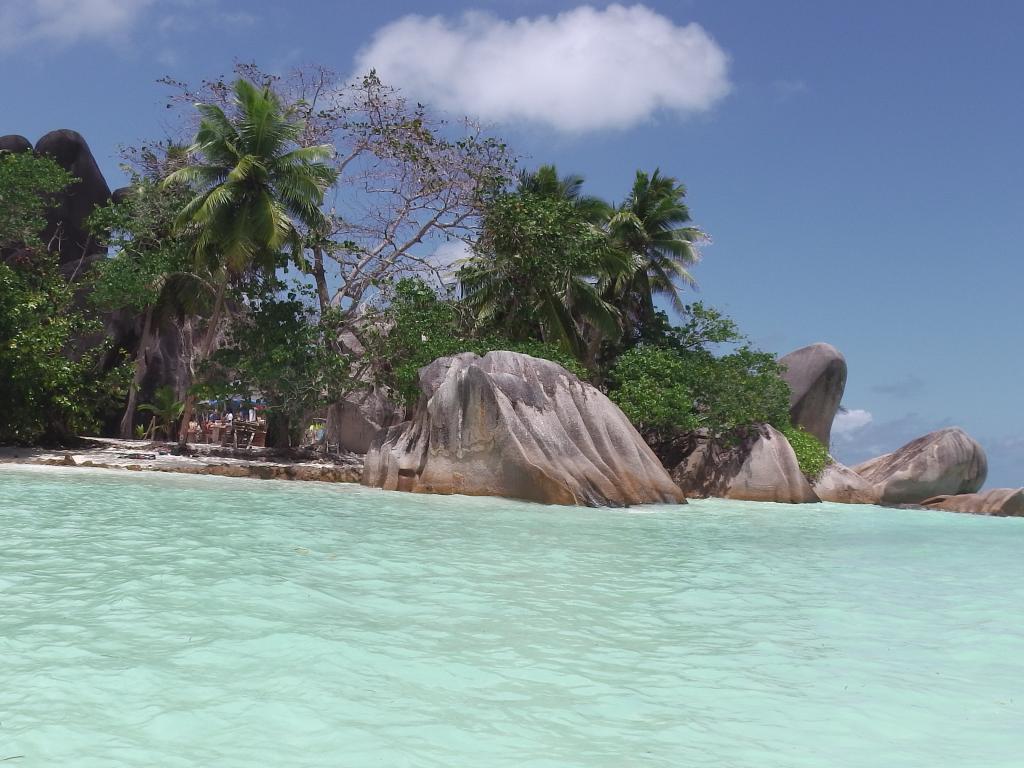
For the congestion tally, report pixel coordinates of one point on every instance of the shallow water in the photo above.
(194, 621)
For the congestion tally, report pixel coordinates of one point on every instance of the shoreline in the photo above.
(150, 456)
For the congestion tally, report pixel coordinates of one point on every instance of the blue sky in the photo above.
(858, 165)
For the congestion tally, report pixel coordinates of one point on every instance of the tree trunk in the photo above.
(278, 430)
(141, 367)
(320, 278)
(204, 355)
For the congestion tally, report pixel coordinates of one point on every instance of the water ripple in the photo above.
(186, 621)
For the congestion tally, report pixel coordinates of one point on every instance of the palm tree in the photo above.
(538, 268)
(653, 226)
(166, 409)
(256, 190)
(545, 182)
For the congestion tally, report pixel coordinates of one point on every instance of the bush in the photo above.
(50, 389)
(416, 326)
(652, 387)
(811, 454)
(667, 392)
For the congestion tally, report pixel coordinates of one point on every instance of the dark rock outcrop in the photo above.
(12, 142)
(945, 462)
(762, 467)
(65, 222)
(355, 422)
(842, 485)
(998, 502)
(816, 375)
(512, 425)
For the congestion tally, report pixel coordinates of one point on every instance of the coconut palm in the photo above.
(545, 182)
(256, 191)
(537, 271)
(653, 225)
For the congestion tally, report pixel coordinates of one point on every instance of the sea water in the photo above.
(169, 621)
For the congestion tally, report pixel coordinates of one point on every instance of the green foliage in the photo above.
(536, 269)
(278, 349)
(415, 326)
(653, 226)
(167, 409)
(652, 387)
(27, 183)
(702, 327)
(48, 383)
(811, 453)
(545, 182)
(676, 384)
(151, 265)
(254, 184)
(48, 392)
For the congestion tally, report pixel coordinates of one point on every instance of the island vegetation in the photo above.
(304, 242)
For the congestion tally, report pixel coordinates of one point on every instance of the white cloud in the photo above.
(582, 70)
(62, 22)
(450, 253)
(849, 421)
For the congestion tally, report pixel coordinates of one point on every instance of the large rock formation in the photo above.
(65, 222)
(844, 486)
(999, 502)
(512, 425)
(12, 142)
(355, 422)
(816, 375)
(944, 462)
(763, 467)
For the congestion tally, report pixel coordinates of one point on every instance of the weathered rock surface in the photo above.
(816, 375)
(66, 220)
(763, 467)
(998, 502)
(355, 422)
(512, 425)
(945, 462)
(841, 484)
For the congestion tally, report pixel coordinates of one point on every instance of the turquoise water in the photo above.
(172, 621)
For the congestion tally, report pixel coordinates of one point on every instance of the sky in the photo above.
(858, 165)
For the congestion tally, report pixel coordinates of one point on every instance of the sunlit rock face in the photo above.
(512, 425)
(761, 467)
(841, 484)
(945, 462)
(816, 375)
(999, 502)
(356, 421)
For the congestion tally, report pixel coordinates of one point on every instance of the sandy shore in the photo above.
(149, 456)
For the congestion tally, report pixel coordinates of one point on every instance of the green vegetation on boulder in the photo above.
(810, 452)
